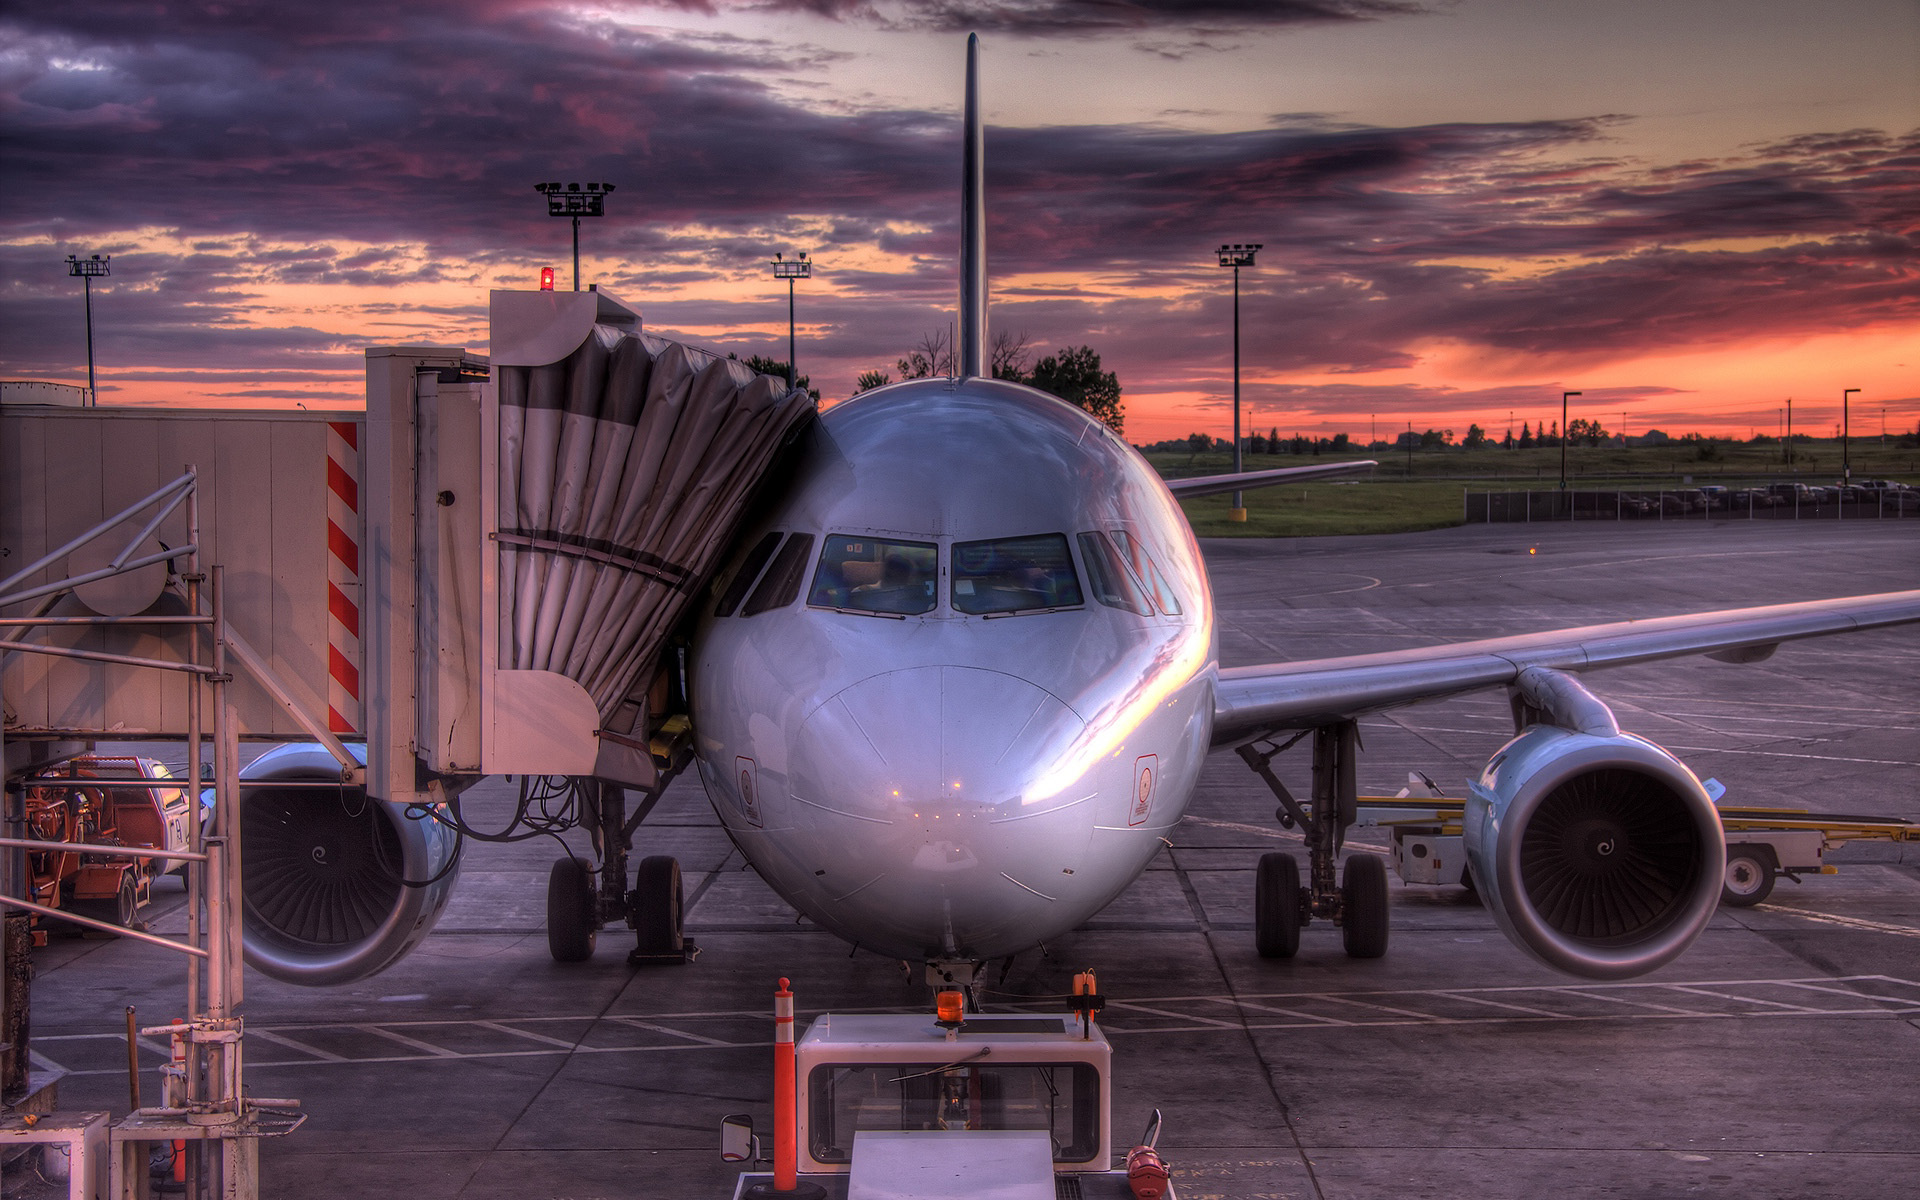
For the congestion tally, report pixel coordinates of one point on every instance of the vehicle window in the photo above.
(1061, 1098)
(876, 575)
(1108, 579)
(782, 581)
(1009, 575)
(1147, 571)
(748, 572)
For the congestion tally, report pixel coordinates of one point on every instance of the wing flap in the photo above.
(1252, 700)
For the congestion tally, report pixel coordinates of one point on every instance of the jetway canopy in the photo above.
(614, 468)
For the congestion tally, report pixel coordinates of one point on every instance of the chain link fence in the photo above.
(1780, 502)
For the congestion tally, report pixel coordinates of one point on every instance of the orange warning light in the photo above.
(950, 1007)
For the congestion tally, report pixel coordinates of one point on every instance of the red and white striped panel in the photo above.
(343, 577)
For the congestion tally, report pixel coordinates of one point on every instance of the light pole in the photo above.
(1237, 256)
(87, 270)
(791, 269)
(575, 201)
(1789, 432)
(1846, 428)
(1563, 438)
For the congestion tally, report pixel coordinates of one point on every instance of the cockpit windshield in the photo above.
(1009, 575)
(863, 574)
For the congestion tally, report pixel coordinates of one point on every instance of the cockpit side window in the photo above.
(782, 581)
(1147, 571)
(1108, 578)
(748, 571)
(875, 575)
(1008, 575)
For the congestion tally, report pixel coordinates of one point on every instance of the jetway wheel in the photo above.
(1276, 906)
(1749, 878)
(1364, 906)
(570, 911)
(657, 906)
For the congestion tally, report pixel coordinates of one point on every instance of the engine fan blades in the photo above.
(1609, 855)
(319, 869)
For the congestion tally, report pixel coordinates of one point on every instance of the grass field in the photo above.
(1401, 496)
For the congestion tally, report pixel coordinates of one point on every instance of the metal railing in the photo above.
(1683, 504)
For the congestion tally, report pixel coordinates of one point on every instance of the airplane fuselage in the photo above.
(971, 684)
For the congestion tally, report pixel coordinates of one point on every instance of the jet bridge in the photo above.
(482, 573)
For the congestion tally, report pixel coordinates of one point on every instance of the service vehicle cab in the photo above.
(946, 1103)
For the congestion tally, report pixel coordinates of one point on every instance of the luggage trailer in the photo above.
(1762, 843)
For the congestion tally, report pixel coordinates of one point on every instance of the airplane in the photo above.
(955, 687)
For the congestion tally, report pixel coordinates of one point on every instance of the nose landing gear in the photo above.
(579, 905)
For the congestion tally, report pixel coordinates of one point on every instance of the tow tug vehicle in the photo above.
(1762, 843)
(912, 1106)
(104, 800)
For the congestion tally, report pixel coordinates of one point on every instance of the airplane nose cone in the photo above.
(926, 819)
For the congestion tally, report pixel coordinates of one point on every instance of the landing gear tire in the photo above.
(1363, 906)
(657, 907)
(1276, 906)
(117, 909)
(570, 911)
(1749, 878)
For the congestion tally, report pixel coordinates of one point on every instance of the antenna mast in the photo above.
(973, 226)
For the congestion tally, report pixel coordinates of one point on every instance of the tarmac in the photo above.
(1777, 1058)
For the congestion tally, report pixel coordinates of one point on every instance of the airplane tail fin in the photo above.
(973, 226)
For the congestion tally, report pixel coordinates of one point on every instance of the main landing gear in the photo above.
(1355, 898)
(582, 899)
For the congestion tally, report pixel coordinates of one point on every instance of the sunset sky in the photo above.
(1688, 210)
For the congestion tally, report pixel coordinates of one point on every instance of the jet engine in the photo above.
(1598, 852)
(336, 886)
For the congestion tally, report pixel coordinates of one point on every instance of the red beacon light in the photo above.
(546, 279)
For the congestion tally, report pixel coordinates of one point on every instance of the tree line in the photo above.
(1072, 373)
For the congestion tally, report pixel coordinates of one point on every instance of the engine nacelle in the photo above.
(323, 874)
(1600, 855)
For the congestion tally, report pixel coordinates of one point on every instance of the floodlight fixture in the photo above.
(791, 269)
(1236, 256)
(87, 270)
(573, 201)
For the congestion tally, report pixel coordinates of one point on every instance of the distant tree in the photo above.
(1273, 439)
(1198, 443)
(1299, 444)
(1507, 442)
(1582, 432)
(1476, 437)
(933, 355)
(1526, 437)
(869, 380)
(1073, 374)
(1257, 444)
(1341, 442)
(1433, 439)
(1010, 356)
(777, 367)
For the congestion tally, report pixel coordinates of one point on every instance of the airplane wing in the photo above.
(1209, 485)
(1252, 701)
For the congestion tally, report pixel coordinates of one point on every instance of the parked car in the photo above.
(1716, 495)
(1751, 498)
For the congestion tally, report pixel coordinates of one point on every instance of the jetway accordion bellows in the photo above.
(624, 470)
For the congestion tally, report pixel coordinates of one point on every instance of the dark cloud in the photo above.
(217, 153)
